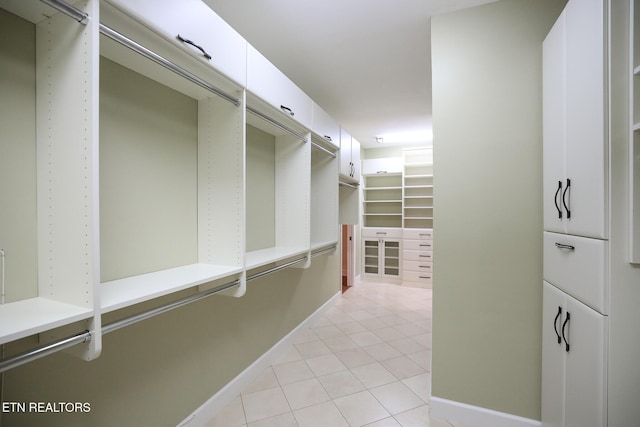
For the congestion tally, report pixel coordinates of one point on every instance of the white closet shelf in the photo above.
(31, 316)
(382, 214)
(125, 292)
(384, 201)
(255, 259)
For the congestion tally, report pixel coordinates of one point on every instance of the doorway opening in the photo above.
(348, 256)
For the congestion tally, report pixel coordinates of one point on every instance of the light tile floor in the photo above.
(365, 362)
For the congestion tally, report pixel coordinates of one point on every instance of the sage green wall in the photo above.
(157, 372)
(18, 156)
(148, 175)
(487, 204)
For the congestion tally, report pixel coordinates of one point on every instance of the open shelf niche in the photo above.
(48, 166)
(278, 187)
(324, 193)
(172, 171)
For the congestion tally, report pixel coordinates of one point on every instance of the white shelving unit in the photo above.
(418, 188)
(382, 200)
(57, 133)
(168, 221)
(278, 186)
(145, 167)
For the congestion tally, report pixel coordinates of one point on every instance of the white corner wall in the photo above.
(487, 166)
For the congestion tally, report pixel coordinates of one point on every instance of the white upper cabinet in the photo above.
(267, 82)
(198, 30)
(575, 142)
(349, 157)
(325, 126)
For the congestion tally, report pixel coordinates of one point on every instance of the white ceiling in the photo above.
(366, 62)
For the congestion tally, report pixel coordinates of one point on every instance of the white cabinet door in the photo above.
(574, 362)
(325, 125)
(202, 31)
(554, 129)
(585, 350)
(345, 154)
(553, 387)
(270, 84)
(355, 159)
(349, 157)
(575, 143)
(586, 139)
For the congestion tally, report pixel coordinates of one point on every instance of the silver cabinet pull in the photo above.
(563, 246)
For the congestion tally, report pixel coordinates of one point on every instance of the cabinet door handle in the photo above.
(288, 110)
(564, 336)
(563, 246)
(564, 199)
(425, 246)
(555, 322)
(187, 41)
(555, 199)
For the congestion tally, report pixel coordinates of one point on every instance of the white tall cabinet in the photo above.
(575, 197)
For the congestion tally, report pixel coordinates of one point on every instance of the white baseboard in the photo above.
(475, 416)
(208, 410)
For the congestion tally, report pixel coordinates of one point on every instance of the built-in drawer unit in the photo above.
(577, 265)
(417, 256)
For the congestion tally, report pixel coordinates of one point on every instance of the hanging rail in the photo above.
(83, 337)
(345, 184)
(324, 251)
(321, 148)
(277, 268)
(68, 10)
(127, 42)
(83, 18)
(277, 124)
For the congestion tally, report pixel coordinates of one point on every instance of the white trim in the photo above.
(476, 416)
(208, 410)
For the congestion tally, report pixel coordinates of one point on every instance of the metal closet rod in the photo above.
(277, 124)
(69, 10)
(345, 184)
(277, 268)
(83, 337)
(324, 251)
(321, 148)
(83, 18)
(149, 54)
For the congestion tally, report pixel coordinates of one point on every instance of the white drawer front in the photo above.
(408, 255)
(577, 265)
(382, 233)
(416, 276)
(418, 245)
(417, 233)
(420, 266)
